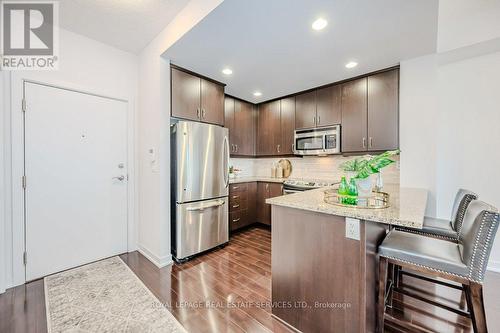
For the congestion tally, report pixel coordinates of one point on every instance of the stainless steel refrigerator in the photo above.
(199, 186)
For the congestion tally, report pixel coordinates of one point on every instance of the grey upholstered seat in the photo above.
(447, 229)
(467, 259)
(424, 251)
(439, 227)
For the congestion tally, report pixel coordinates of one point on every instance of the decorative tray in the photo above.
(377, 200)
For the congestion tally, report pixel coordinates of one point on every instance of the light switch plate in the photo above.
(352, 228)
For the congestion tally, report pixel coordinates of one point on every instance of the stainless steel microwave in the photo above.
(317, 141)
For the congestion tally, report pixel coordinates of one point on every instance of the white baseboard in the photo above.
(157, 261)
(494, 266)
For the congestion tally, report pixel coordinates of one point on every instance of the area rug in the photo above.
(105, 296)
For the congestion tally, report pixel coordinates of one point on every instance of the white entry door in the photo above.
(76, 178)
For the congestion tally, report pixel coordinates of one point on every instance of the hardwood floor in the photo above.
(229, 290)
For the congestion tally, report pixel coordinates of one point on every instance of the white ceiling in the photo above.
(270, 46)
(126, 24)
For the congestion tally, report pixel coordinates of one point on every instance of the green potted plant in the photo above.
(362, 168)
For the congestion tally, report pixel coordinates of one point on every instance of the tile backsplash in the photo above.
(310, 167)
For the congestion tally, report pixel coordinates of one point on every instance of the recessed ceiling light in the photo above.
(319, 24)
(351, 64)
(257, 94)
(227, 71)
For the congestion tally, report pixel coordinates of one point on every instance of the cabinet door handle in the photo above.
(319, 120)
(370, 142)
(237, 220)
(364, 142)
(278, 147)
(236, 206)
(314, 120)
(236, 148)
(235, 187)
(236, 196)
(198, 114)
(203, 113)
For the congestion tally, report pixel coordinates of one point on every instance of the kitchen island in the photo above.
(324, 258)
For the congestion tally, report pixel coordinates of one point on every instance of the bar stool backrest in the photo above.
(462, 200)
(476, 237)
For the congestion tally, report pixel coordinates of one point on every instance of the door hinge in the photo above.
(24, 105)
(25, 258)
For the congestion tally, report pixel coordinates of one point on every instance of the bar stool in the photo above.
(441, 228)
(463, 262)
(447, 229)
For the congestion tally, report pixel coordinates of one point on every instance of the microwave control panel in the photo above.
(331, 141)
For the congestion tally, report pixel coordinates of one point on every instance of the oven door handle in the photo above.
(287, 191)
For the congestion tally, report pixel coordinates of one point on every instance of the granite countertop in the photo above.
(407, 206)
(247, 179)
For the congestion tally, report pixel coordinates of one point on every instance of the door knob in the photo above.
(120, 178)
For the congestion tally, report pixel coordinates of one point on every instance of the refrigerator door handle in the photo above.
(226, 165)
(200, 208)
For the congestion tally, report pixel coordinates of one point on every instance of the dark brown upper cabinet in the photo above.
(229, 122)
(354, 116)
(269, 129)
(185, 95)
(276, 126)
(305, 110)
(370, 109)
(245, 127)
(195, 98)
(287, 125)
(212, 102)
(317, 108)
(383, 111)
(328, 106)
(240, 119)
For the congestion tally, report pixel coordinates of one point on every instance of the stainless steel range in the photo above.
(299, 185)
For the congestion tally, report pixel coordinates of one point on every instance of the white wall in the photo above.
(85, 65)
(3, 238)
(466, 22)
(154, 132)
(418, 128)
(450, 110)
(469, 104)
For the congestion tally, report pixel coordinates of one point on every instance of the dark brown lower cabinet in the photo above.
(242, 205)
(247, 203)
(266, 191)
(252, 203)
